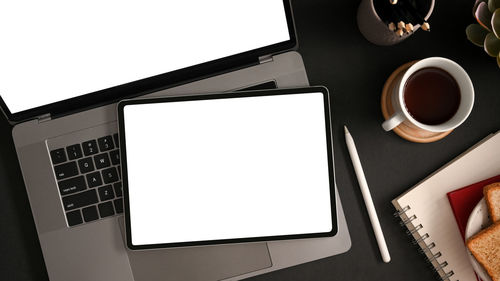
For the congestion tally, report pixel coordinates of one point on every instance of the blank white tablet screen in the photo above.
(227, 168)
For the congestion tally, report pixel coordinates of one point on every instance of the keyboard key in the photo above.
(94, 179)
(101, 161)
(115, 157)
(117, 140)
(74, 151)
(79, 200)
(118, 189)
(106, 193)
(90, 147)
(74, 218)
(86, 165)
(58, 156)
(106, 209)
(119, 171)
(105, 143)
(90, 213)
(118, 205)
(109, 175)
(66, 170)
(72, 185)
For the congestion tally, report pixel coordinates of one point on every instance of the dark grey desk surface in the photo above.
(337, 56)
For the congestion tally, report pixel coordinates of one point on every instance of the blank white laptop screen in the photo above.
(227, 168)
(53, 50)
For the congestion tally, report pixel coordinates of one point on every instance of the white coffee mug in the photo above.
(401, 113)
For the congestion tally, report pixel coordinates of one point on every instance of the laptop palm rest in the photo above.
(210, 262)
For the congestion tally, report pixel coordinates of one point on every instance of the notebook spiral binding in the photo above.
(422, 240)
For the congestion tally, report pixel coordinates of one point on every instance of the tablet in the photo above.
(227, 168)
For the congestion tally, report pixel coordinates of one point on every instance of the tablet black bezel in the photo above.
(329, 142)
(158, 82)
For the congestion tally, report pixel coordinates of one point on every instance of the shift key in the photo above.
(79, 200)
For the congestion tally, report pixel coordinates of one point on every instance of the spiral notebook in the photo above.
(425, 210)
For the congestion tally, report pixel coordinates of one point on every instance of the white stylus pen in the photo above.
(363, 185)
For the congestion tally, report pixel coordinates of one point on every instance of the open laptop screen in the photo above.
(227, 168)
(55, 50)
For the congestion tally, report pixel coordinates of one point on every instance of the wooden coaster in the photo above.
(404, 130)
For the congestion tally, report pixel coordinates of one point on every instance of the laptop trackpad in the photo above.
(197, 263)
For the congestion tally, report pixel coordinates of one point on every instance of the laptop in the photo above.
(63, 70)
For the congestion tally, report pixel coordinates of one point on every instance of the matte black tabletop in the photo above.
(336, 55)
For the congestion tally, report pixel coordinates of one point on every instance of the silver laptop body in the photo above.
(96, 250)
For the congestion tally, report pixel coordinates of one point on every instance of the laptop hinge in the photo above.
(43, 118)
(264, 59)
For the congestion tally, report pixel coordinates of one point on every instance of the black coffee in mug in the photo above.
(431, 96)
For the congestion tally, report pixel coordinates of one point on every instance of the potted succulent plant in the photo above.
(486, 33)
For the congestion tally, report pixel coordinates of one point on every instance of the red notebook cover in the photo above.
(464, 200)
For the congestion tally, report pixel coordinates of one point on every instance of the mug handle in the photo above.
(393, 121)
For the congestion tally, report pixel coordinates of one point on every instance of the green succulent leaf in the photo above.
(495, 22)
(476, 4)
(493, 5)
(492, 45)
(483, 15)
(476, 34)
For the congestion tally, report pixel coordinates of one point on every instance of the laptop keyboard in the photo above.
(89, 180)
